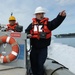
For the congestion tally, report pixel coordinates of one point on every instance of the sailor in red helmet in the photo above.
(40, 31)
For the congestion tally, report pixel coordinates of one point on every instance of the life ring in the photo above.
(15, 49)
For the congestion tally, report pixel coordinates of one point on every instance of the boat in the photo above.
(18, 63)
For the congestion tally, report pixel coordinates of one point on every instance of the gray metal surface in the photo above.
(53, 69)
(18, 66)
(16, 71)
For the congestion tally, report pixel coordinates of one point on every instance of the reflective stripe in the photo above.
(7, 40)
(14, 53)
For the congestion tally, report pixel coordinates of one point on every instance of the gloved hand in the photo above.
(29, 35)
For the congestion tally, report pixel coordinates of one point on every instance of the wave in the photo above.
(62, 53)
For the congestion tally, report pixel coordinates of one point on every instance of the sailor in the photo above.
(12, 24)
(40, 31)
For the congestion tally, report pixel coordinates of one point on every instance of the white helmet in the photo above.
(39, 10)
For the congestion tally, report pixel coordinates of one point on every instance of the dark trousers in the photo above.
(37, 59)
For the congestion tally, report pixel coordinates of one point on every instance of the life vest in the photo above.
(10, 27)
(36, 28)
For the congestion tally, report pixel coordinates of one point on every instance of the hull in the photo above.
(54, 68)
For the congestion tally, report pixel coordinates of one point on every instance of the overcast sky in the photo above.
(23, 10)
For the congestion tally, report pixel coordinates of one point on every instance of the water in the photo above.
(63, 54)
(63, 51)
(68, 41)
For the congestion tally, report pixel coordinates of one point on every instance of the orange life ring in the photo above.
(15, 49)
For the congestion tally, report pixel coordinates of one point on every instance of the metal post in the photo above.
(26, 51)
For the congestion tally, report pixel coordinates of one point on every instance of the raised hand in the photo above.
(62, 13)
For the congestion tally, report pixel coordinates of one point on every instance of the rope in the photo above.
(53, 61)
(10, 68)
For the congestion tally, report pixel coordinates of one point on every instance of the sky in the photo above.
(23, 10)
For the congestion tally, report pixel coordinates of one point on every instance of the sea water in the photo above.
(67, 41)
(63, 51)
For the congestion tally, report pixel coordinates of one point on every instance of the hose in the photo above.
(57, 70)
